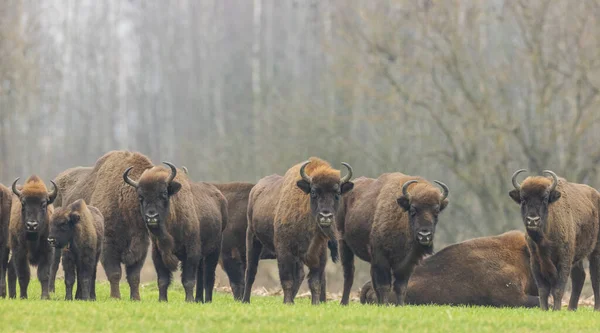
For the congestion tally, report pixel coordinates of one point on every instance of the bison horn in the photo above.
(405, 187)
(52, 195)
(514, 178)
(185, 170)
(128, 180)
(444, 187)
(554, 180)
(303, 172)
(173, 172)
(349, 175)
(14, 188)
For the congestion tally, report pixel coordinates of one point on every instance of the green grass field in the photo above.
(268, 314)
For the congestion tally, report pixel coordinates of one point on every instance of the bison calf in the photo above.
(78, 230)
(562, 221)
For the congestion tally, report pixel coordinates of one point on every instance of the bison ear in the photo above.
(173, 188)
(444, 204)
(74, 218)
(404, 202)
(347, 187)
(515, 195)
(303, 185)
(554, 195)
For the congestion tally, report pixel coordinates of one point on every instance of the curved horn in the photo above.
(303, 173)
(14, 188)
(405, 187)
(173, 172)
(445, 189)
(52, 195)
(514, 178)
(554, 180)
(185, 170)
(128, 180)
(349, 175)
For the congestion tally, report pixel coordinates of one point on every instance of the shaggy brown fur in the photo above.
(488, 271)
(562, 227)
(78, 229)
(5, 202)
(375, 227)
(125, 235)
(33, 204)
(67, 180)
(299, 238)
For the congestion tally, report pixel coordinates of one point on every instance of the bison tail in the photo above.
(333, 248)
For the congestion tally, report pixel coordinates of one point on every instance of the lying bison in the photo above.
(5, 203)
(486, 271)
(28, 229)
(562, 221)
(390, 222)
(185, 224)
(77, 231)
(305, 201)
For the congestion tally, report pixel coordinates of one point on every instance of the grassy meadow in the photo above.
(268, 314)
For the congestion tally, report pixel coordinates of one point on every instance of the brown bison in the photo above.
(390, 222)
(28, 234)
(125, 233)
(487, 271)
(5, 202)
(176, 213)
(562, 221)
(305, 202)
(67, 180)
(77, 231)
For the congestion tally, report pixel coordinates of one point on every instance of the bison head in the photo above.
(325, 192)
(154, 190)
(34, 198)
(63, 223)
(423, 205)
(534, 196)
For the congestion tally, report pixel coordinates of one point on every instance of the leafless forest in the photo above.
(461, 91)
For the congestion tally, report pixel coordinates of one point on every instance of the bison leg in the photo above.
(23, 273)
(93, 286)
(542, 285)
(323, 296)
(12, 279)
(133, 279)
(314, 283)
(200, 282)
(112, 267)
(84, 281)
(69, 269)
(288, 275)
(210, 267)
(43, 274)
(189, 268)
(577, 280)
(233, 265)
(595, 277)
(558, 290)
(348, 266)
(381, 277)
(53, 269)
(3, 266)
(299, 274)
(163, 273)
(253, 249)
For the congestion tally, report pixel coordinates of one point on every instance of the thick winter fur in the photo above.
(125, 236)
(5, 202)
(376, 228)
(77, 230)
(30, 248)
(568, 233)
(488, 271)
(292, 230)
(67, 180)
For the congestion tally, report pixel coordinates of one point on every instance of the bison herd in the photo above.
(112, 213)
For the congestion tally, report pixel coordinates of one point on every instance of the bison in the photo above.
(177, 213)
(390, 222)
(305, 202)
(77, 231)
(5, 202)
(28, 234)
(487, 271)
(562, 221)
(67, 180)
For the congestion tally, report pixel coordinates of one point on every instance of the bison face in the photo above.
(34, 205)
(423, 207)
(154, 196)
(534, 197)
(325, 194)
(62, 227)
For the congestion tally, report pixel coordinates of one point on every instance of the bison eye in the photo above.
(313, 194)
(140, 198)
(337, 197)
(413, 211)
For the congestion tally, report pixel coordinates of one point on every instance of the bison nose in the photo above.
(31, 225)
(52, 241)
(325, 218)
(533, 221)
(425, 237)
(152, 218)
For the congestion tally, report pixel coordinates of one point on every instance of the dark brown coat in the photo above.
(77, 231)
(5, 202)
(125, 234)
(488, 271)
(28, 235)
(390, 222)
(306, 201)
(67, 180)
(562, 222)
